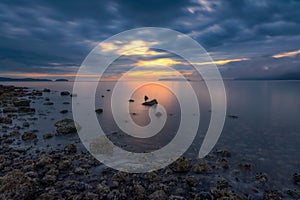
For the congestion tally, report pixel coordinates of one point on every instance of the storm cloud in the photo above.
(55, 36)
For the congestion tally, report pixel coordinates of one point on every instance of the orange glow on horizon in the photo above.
(287, 54)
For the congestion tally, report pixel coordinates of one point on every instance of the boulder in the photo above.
(181, 165)
(66, 126)
(16, 185)
(150, 103)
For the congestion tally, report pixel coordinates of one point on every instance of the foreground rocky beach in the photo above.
(54, 165)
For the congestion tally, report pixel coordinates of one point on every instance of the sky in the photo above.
(245, 38)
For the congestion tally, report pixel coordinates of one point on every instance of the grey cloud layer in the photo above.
(55, 36)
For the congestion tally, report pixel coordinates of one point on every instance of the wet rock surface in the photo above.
(53, 164)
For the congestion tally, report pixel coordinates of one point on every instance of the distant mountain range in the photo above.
(30, 79)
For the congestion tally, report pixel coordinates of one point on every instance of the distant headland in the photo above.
(6, 79)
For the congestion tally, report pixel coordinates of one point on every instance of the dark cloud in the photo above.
(55, 36)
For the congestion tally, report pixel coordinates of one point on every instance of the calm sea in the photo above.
(266, 132)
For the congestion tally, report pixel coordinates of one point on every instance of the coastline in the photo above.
(33, 168)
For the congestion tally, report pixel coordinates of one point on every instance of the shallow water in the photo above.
(266, 132)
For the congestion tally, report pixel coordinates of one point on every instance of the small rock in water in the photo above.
(26, 110)
(158, 195)
(261, 178)
(70, 148)
(48, 135)
(30, 135)
(181, 165)
(26, 124)
(64, 111)
(21, 102)
(5, 120)
(65, 93)
(233, 116)
(150, 103)
(99, 110)
(202, 167)
(79, 170)
(9, 109)
(48, 103)
(66, 126)
(46, 90)
(296, 179)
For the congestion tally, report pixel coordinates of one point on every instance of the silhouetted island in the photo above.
(61, 80)
(23, 79)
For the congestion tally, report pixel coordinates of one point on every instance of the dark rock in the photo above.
(64, 165)
(48, 136)
(5, 120)
(261, 178)
(64, 111)
(26, 110)
(15, 134)
(48, 103)
(9, 109)
(158, 195)
(49, 179)
(46, 90)
(79, 171)
(192, 181)
(181, 165)
(224, 153)
(140, 191)
(224, 163)
(28, 136)
(202, 167)
(70, 148)
(26, 124)
(21, 102)
(66, 103)
(150, 103)
(245, 166)
(65, 93)
(44, 160)
(296, 179)
(16, 185)
(233, 116)
(272, 195)
(66, 126)
(99, 110)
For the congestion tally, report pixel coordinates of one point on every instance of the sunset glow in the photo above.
(287, 54)
(135, 47)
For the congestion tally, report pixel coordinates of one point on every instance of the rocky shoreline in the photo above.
(31, 171)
